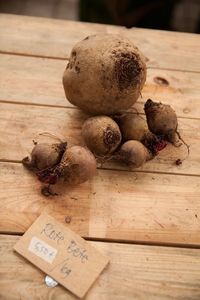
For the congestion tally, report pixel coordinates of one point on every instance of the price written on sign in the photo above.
(71, 247)
(42, 249)
(62, 254)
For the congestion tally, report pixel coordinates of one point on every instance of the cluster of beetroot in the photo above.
(52, 162)
(127, 138)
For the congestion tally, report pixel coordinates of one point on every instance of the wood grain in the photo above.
(135, 272)
(39, 80)
(32, 80)
(20, 124)
(168, 49)
(157, 204)
(154, 208)
(55, 38)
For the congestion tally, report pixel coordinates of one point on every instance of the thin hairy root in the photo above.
(182, 140)
(48, 134)
(103, 159)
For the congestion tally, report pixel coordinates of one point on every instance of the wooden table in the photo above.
(147, 221)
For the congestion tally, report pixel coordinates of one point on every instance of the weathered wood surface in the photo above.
(20, 124)
(135, 272)
(142, 207)
(39, 80)
(54, 38)
(157, 204)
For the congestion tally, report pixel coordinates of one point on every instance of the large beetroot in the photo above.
(105, 74)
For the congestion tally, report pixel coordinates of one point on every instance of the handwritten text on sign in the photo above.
(42, 249)
(62, 254)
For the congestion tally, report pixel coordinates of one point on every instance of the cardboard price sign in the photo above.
(62, 254)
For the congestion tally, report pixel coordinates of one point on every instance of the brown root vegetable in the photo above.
(77, 165)
(105, 74)
(161, 120)
(45, 156)
(101, 135)
(133, 153)
(134, 127)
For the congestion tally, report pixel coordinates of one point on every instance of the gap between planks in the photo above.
(18, 102)
(67, 123)
(34, 55)
(40, 81)
(134, 272)
(13, 161)
(67, 59)
(136, 207)
(121, 241)
(39, 36)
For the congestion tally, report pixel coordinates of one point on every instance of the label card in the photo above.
(62, 254)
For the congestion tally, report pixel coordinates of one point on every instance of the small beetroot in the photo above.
(44, 156)
(161, 120)
(134, 127)
(101, 135)
(77, 165)
(133, 153)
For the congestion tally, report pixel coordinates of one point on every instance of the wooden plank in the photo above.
(55, 38)
(154, 208)
(135, 272)
(168, 49)
(39, 80)
(42, 36)
(32, 80)
(20, 124)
